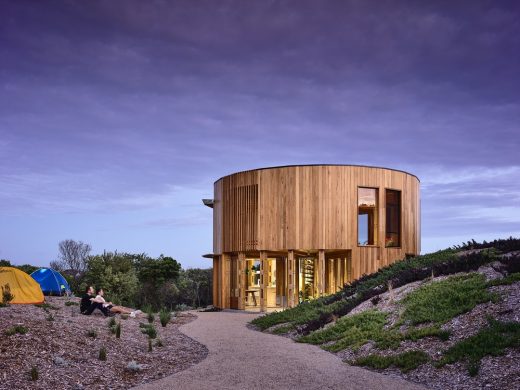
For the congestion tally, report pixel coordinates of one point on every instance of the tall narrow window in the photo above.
(393, 218)
(367, 216)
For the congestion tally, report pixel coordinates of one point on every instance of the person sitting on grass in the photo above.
(110, 306)
(88, 304)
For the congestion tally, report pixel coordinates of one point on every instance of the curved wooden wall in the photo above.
(308, 208)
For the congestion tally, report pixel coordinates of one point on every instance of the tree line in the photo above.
(130, 279)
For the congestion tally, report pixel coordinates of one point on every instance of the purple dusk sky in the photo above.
(116, 117)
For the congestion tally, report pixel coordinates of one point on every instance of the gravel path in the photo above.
(241, 358)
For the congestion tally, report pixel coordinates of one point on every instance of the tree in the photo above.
(73, 255)
(115, 273)
(73, 258)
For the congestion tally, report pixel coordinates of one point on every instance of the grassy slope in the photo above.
(432, 305)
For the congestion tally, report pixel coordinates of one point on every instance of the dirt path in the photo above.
(241, 358)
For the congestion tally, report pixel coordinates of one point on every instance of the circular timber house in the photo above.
(283, 235)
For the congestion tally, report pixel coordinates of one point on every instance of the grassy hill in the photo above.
(432, 319)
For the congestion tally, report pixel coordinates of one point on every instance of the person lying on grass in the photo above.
(88, 304)
(110, 306)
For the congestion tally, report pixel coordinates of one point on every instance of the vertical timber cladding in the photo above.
(308, 209)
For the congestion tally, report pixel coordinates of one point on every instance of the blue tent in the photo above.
(51, 281)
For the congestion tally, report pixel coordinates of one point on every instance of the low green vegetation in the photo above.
(165, 317)
(20, 329)
(310, 316)
(150, 315)
(508, 280)
(358, 329)
(439, 302)
(112, 322)
(71, 303)
(352, 331)
(405, 361)
(415, 334)
(149, 330)
(34, 373)
(283, 329)
(492, 340)
(92, 333)
(102, 354)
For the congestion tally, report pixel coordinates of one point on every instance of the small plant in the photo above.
(111, 322)
(20, 329)
(34, 374)
(124, 316)
(159, 343)
(133, 366)
(118, 330)
(148, 329)
(150, 316)
(102, 354)
(50, 317)
(71, 303)
(165, 316)
(92, 333)
(150, 345)
(7, 297)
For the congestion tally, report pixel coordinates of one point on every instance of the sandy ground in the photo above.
(241, 358)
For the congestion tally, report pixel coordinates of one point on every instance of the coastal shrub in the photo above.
(102, 354)
(159, 343)
(92, 333)
(118, 330)
(439, 302)
(405, 361)
(492, 340)
(71, 303)
(165, 317)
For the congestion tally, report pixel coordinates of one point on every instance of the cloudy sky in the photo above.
(116, 117)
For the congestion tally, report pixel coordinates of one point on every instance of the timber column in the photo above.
(264, 269)
(291, 266)
(321, 273)
(242, 280)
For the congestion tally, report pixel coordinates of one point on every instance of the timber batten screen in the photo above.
(350, 220)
